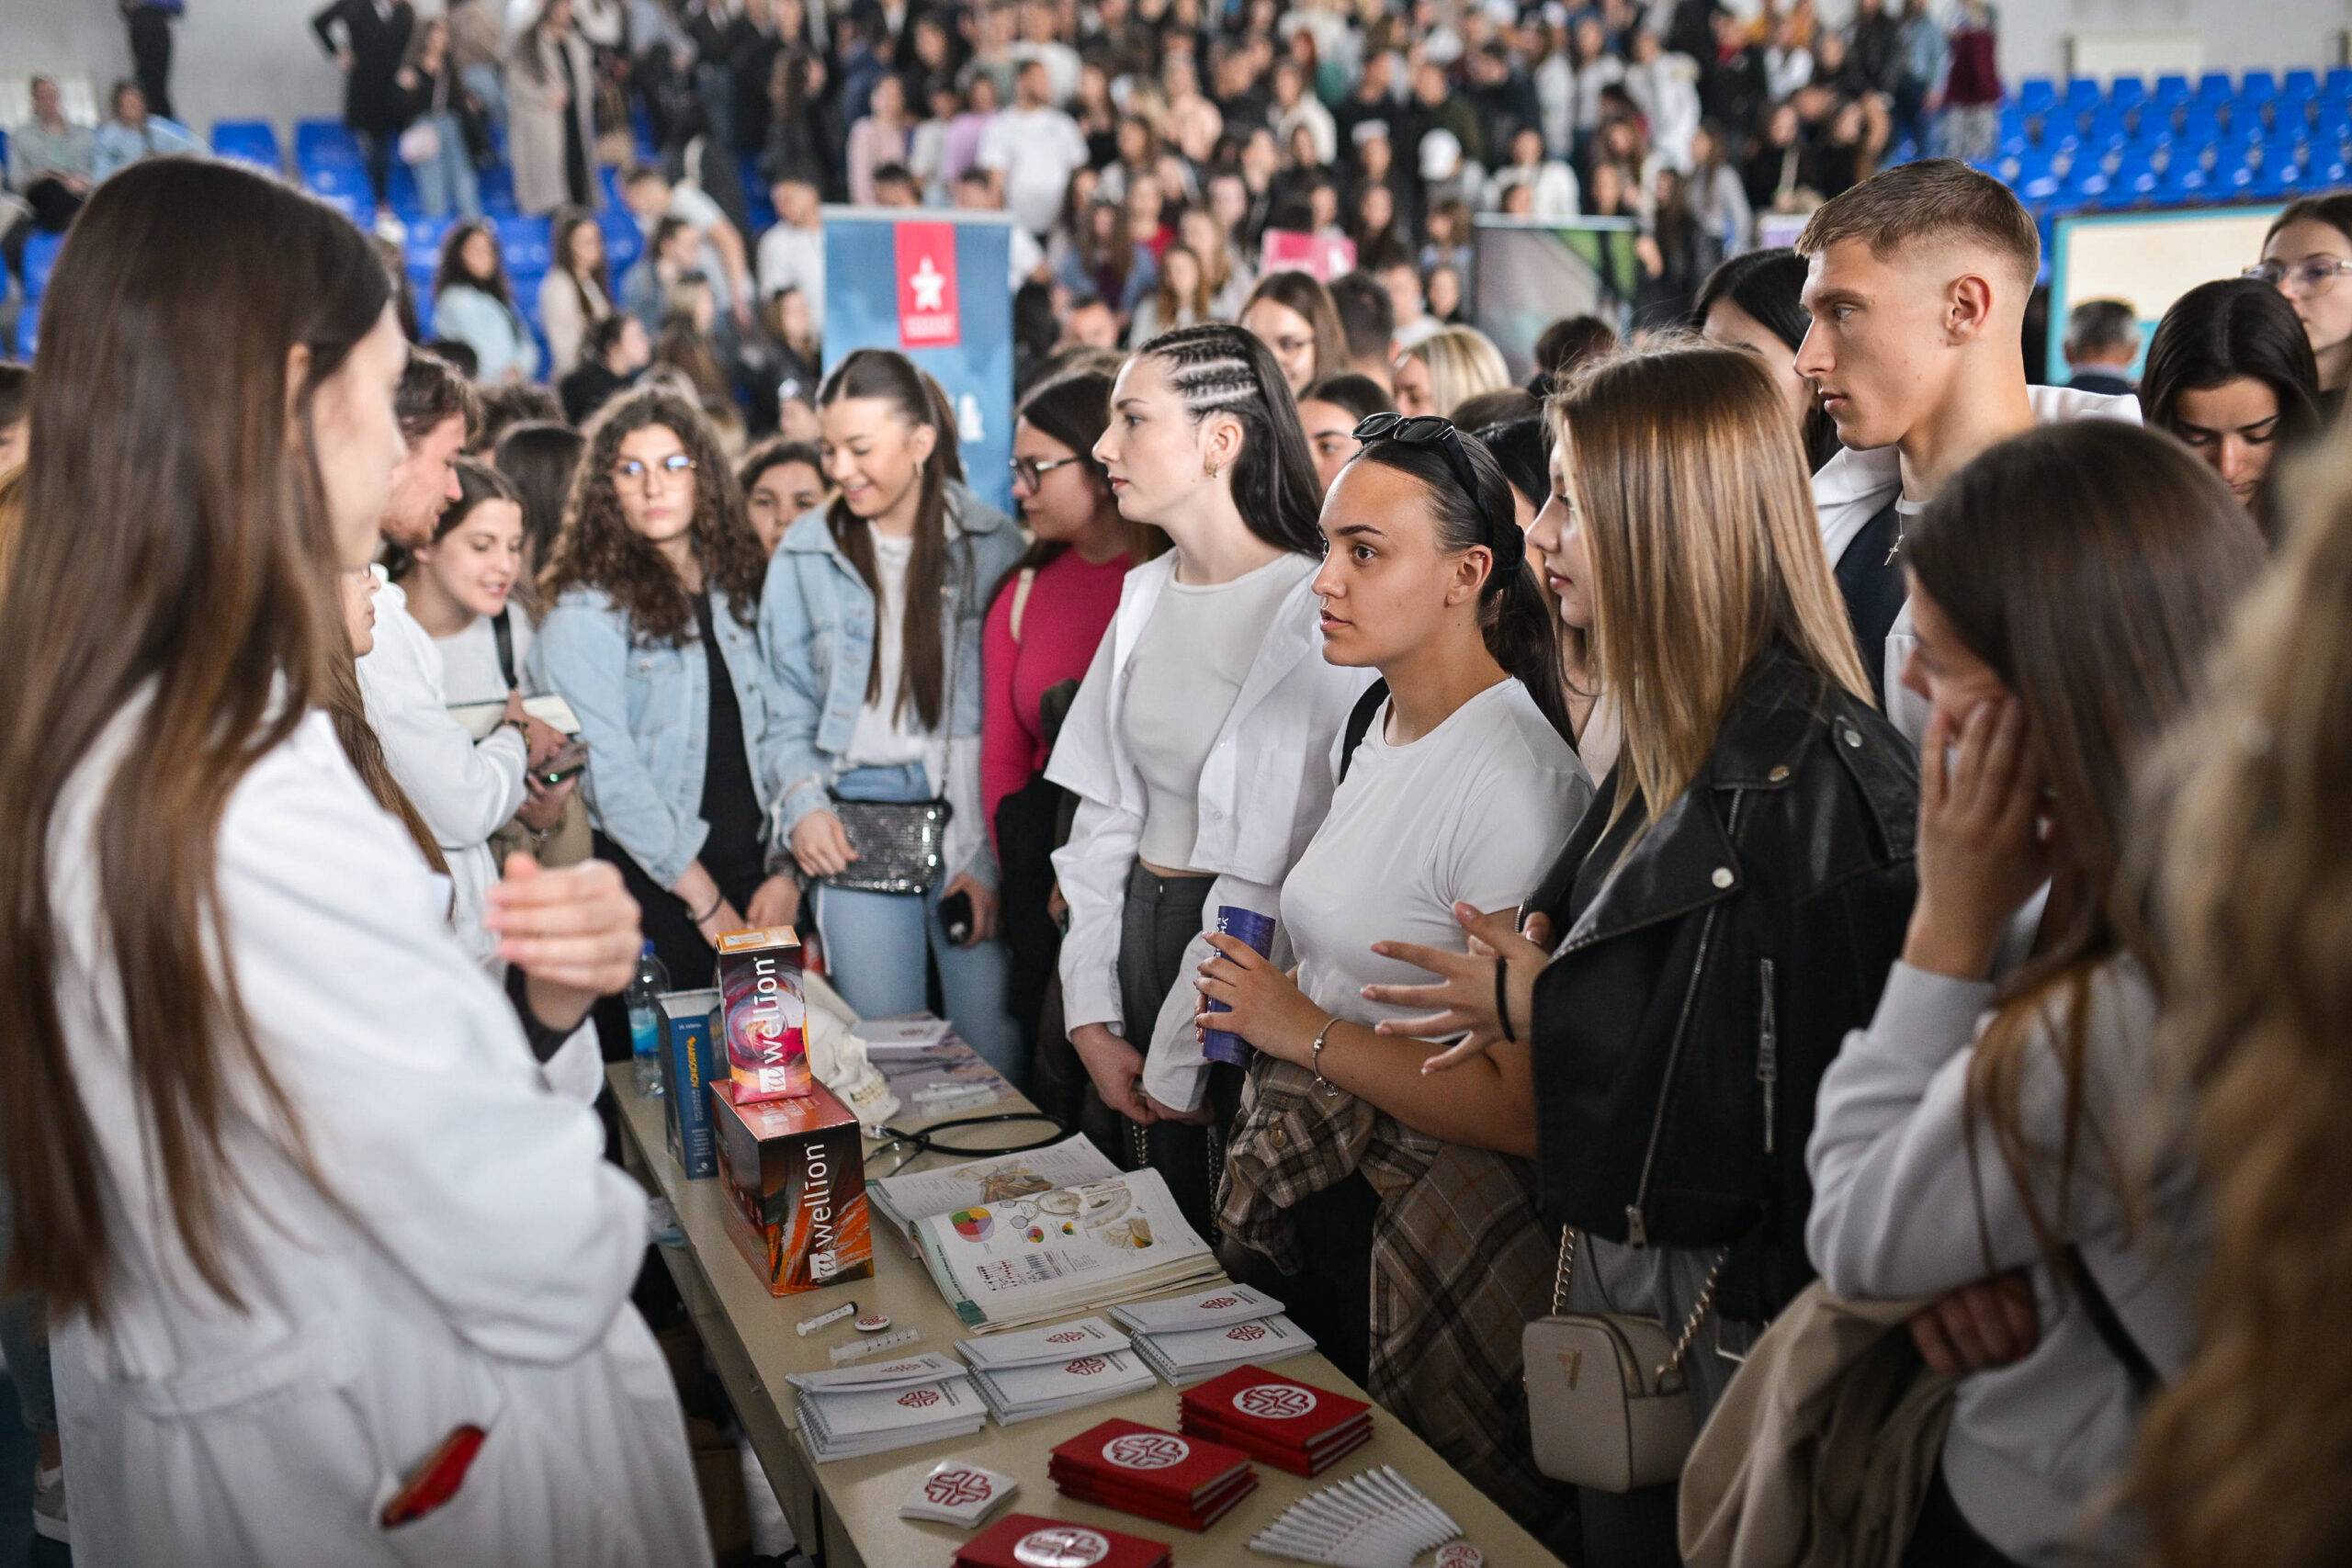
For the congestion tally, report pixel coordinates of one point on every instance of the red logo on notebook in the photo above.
(1219, 1304)
(1067, 1546)
(1246, 1331)
(1275, 1400)
(1146, 1450)
(1066, 1336)
(927, 310)
(953, 1488)
(1087, 1366)
(916, 1398)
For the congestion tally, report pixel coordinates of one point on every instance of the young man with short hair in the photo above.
(649, 195)
(792, 253)
(1369, 318)
(1917, 289)
(1031, 147)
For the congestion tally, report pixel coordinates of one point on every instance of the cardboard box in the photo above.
(685, 1079)
(794, 1173)
(766, 1016)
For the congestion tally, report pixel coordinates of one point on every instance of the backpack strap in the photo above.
(1360, 719)
(2146, 1382)
(502, 630)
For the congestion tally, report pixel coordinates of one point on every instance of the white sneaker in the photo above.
(48, 1505)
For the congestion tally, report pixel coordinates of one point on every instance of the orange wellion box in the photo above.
(766, 1014)
(794, 1174)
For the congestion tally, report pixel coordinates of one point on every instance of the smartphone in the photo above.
(566, 763)
(956, 917)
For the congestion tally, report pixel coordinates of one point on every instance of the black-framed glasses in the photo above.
(630, 471)
(1434, 430)
(1028, 470)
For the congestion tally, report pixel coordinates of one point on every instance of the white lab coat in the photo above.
(1855, 485)
(1263, 792)
(473, 1265)
(464, 789)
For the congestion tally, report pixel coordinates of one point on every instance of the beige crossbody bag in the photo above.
(1608, 1406)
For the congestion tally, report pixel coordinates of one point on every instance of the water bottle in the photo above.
(644, 999)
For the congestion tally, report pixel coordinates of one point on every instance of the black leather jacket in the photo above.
(1701, 992)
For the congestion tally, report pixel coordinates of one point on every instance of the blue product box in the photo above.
(686, 1068)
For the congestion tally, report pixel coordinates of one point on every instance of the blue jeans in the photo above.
(448, 174)
(482, 80)
(876, 943)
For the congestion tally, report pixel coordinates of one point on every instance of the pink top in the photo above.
(1069, 607)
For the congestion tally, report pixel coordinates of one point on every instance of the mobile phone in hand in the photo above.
(565, 763)
(956, 917)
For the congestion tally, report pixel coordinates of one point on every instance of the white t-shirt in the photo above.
(1474, 811)
(795, 258)
(469, 671)
(879, 741)
(1188, 666)
(1035, 150)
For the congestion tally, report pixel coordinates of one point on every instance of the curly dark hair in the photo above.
(597, 548)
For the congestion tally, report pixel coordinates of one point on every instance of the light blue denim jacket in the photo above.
(817, 626)
(644, 710)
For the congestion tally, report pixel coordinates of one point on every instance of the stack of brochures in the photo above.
(1045, 1371)
(1190, 1340)
(1016, 1240)
(866, 1410)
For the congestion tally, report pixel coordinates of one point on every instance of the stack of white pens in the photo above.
(1377, 1520)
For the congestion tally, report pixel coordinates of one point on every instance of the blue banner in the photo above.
(933, 284)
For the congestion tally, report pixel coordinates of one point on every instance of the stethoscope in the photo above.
(927, 1140)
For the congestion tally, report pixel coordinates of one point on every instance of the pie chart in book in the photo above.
(973, 1225)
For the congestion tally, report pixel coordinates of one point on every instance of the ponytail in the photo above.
(1519, 630)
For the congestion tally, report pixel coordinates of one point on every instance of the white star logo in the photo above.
(930, 286)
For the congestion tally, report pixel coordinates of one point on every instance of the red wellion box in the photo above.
(794, 1174)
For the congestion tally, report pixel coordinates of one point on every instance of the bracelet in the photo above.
(714, 902)
(1502, 998)
(1315, 1051)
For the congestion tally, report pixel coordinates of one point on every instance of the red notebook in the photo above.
(1131, 1455)
(1266, 1407)
(1150, 1505)
(1298, 1461)
(1027, 1541)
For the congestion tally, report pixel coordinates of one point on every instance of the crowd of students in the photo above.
(1779, 817)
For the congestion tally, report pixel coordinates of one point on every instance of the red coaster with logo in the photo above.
(1027, 1541)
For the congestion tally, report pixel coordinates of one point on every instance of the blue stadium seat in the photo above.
(496, 186)
(41, 260)
(2339, 83)
(524, 244)
(336, 181)
(623, 242)
(2279, 177)
(2037, 95)
(28, 329)
(2299, 84)
(2171, 92)
(2213, 89)
(422, 247)
(2127, 93)
(325, 141)
(2083, 95)
(251, 140)
(2257, 87)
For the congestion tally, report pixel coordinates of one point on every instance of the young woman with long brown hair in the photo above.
(653, 596)
(302, 1209)
(2068, 585)
(2242, 1459)
(871, 626)
(1727, 909)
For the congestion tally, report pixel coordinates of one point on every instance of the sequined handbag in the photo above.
(901, 844)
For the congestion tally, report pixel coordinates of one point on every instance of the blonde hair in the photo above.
(2242, 1460)
(1462, 363)
(1697, 507)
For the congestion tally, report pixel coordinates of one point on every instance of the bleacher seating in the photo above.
(40, 258)
(249, 141)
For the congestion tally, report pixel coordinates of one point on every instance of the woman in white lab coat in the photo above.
(307, 1219)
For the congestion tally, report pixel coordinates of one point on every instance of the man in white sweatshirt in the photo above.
(464, 790)
(1918, 289)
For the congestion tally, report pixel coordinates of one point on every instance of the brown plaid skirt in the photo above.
(1461, 1262)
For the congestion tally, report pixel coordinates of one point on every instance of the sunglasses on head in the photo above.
(1436, 430)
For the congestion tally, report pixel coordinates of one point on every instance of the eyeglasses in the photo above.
(1028, 470)
(2315, 275)
(1435, 430)
(631, 472)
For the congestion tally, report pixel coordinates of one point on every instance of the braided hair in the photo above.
(1217, 368)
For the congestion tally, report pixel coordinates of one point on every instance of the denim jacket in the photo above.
(644, 710)
(817, 626)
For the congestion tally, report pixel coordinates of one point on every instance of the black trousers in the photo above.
(151, 55)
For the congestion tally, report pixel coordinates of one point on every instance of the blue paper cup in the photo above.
(1258, 932)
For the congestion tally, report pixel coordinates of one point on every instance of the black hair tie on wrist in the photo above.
(1502, 998)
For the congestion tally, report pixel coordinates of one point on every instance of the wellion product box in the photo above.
(766, 1015)
(794, 1172)
(686, 1068)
